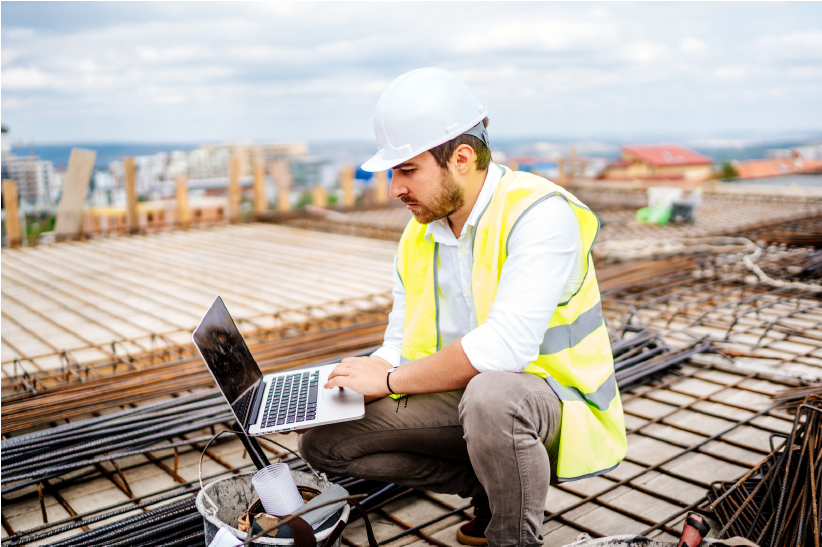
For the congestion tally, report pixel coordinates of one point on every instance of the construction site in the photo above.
(715, 326)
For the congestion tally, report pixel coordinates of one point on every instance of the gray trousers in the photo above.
(499, 436)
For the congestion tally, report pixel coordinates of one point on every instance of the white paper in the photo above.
(224, 538)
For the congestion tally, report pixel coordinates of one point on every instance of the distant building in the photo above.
(756, 169)
(35, 179)
(659, 162)
(269, 152)
(208, 164)
(810, 152)
(208, 167)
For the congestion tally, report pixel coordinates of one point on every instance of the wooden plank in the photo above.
(347, 185)
(12, 216)
(319, 197)
(183, 209)
(381, 187)
(70, 210)
(234, 190)
(282, 174)
(132, 219)
(260, 203)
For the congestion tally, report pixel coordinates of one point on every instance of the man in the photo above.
(496, 336)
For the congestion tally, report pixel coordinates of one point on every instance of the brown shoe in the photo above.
(473, 531)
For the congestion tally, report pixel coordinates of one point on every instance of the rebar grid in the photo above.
(685, 432)
(320, 341)
(80, 297)
(754, 324)
(175, 345)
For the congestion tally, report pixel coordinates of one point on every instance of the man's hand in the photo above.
(365, 375)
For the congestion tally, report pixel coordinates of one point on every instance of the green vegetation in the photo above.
(727, 171)
(305, 199)
(36, 225)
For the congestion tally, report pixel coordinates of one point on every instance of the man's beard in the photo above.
(448, 199)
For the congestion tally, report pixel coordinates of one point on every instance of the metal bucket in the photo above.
(233, 496)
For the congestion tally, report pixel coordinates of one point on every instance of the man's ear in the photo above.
(463, 159)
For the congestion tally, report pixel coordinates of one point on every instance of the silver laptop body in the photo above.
(273, 403)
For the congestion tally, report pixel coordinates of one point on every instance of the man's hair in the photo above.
(442, 153)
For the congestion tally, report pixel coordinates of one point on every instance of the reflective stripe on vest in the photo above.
(563, 337)
(575, 354)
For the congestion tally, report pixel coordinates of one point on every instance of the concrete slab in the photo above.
(414, 510)
(670, 397)
(633, 422)
(90, 502)
(30, 519)
(750, 436)
(587, 487)
(625, 470)
(707, 425)
(648, 409)
(705, 468)
(32, 503)
(451, 500)
(445, 529)
(561, 536)
(718, 409)
(151, 484)
(557, 500)
(681, 490)
(644, 505)
(745, 399)
(672, 434)
(729, 451)
(696, 387)
(610, 522)
(649, 451)
(383, 528)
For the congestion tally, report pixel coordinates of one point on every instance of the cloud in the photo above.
(302, 70)
(29, 79)
(693, 46)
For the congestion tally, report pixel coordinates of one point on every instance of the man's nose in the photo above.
(397, 189)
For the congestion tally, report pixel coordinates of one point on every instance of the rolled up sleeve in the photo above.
(543, 251)
(391, 349)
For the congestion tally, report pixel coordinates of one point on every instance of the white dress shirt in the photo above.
(542, 270)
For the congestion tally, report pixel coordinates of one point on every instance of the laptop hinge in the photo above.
(255, 408)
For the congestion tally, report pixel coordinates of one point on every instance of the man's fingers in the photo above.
(339, 381)
(349, 359)
(339, 370)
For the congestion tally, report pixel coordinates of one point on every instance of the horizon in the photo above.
(358, 150)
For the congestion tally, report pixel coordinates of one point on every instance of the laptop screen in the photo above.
(228, 358)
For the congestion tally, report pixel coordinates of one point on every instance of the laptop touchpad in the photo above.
(336, 393)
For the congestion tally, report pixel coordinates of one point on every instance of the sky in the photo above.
(214, 71)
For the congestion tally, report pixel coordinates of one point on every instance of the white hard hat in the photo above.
(420, 110)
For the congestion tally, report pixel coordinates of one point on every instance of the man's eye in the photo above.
(408, 171)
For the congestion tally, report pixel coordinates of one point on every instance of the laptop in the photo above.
(274, 403)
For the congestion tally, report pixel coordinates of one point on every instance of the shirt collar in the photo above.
(440, 230)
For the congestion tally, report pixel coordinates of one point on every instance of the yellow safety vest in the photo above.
(575, 355)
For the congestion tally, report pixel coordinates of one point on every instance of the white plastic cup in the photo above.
(277, 489)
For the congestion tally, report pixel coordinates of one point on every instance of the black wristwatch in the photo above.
(387, 377)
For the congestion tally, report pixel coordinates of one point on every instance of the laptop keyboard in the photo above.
(292, 399)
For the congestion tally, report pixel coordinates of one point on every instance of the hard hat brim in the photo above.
(378, 163)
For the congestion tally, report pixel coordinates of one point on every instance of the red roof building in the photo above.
(659, 162)
(755, 169)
